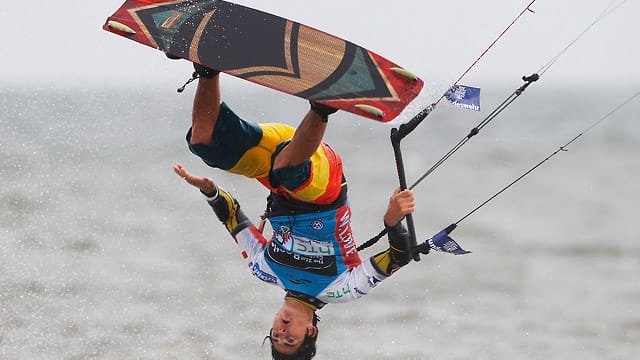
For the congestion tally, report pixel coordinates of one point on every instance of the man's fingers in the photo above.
(181, 171)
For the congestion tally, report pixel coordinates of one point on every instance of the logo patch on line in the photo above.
(283, 236)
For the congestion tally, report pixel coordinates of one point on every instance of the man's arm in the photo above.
(205, 185)
(397, 255)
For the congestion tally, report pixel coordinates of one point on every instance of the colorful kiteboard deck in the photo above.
(271, 51)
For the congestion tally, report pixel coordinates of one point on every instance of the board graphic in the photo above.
(271, 51)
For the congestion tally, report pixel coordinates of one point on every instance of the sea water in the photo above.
(106, 254)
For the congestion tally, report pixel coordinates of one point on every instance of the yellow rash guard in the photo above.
(245, 148)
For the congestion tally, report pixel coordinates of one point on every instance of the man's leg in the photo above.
(306, 139)
(206, 108)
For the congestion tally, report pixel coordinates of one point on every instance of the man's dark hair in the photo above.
(307, 349)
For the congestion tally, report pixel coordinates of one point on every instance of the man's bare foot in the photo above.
(206, 185)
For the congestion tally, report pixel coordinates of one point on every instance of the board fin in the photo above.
(371, 110)
(406, 73)
(120, 27)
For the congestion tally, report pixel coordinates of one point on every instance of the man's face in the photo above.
(289, 330)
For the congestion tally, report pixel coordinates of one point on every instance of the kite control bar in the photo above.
(397, 134)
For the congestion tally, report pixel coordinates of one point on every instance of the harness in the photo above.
(279, 205)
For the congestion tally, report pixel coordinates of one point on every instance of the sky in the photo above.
(61, 43)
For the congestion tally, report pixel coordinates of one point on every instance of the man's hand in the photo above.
(206, 185)
(401, 203)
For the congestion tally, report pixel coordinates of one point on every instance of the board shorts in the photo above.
(249, 149)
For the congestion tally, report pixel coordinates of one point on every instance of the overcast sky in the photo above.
(61, 43)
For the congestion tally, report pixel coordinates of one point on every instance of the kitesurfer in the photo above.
(311, 254)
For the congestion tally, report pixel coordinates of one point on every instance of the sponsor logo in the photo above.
(300, 245)
(313, 248)
(321, 265)
(317, 225)
(266, 277)
(358, 291)
(373, 281)
(339, 293)
(344, 234)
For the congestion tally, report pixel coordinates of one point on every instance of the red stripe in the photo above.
(334, 185)
(258, 235)
(344, 236)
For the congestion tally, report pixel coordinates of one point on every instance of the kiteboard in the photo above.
(271, 51)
